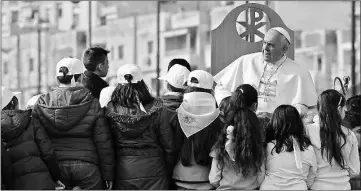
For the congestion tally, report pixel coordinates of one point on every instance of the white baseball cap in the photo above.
(283, 32)
(200, 79)
(176, 76)
(74, 66)
(7, 96)
(131, 69)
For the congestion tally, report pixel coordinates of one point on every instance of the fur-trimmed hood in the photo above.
(131, 119)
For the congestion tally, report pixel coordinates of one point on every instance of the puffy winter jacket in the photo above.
(6, 168)
(144, 146)
(172, 100)
(30, 151)
(77, 127)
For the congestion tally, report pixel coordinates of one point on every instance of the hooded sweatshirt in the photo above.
(333, 177)
(196, 114)
(32, 159)
(143, 145)
(77, 127)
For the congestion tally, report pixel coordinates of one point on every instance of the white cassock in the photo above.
(289, 84)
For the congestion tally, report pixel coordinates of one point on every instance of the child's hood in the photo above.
(14, 123)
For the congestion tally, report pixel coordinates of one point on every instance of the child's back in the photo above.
(334, 177)
(291, 162)
(283, 174)
(238, 156)
(24, 139)
(229, 179)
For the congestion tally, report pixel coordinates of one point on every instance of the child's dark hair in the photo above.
(179, 61)
(224, 107)
(66, 79)
(244, 96)
(12, 104)
(125, 95)
(248, 135)
(285, 123)
(353, 113)
(174, 89)
(332, 136)
(199, 145)
(93, 56)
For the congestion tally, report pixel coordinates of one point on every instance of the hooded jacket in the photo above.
(143, 145)
(30, 151)
(172, 100)
(333, 177)
(77, 127)
(6, 168)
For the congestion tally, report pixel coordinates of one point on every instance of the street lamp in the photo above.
(158, 42)
(39, 25)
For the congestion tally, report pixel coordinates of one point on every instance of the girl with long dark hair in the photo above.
(335, 146)
(238, 155)
(291, 161)
(143, 139)
(196, 126)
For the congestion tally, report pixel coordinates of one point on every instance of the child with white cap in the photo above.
(143, 139)
(196, 126)
(78, 129)
(176, 79)
(33, 161)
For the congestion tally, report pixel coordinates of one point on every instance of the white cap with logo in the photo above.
(200, 79)
(177, 76)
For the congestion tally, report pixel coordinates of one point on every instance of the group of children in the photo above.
(182, 140)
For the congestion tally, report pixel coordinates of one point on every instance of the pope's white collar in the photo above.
(277, 62)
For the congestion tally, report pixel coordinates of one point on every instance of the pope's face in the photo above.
(273, 46)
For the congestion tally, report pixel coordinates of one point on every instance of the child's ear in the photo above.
(254, 107)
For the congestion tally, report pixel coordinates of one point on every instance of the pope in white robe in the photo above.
(278, 79)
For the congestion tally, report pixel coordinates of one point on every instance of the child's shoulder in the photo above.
(214, 153)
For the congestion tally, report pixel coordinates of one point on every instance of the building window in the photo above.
(149, 61)
(14, 16)
(120, 52)
(297, 39)
(193, 38)
(6, 67)
(346, 36)
(176, 43)
(112, 53)
(319, 63)
(75, 21)
(59, 11)
(31, 64)
(103, 20)
(150, 47)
